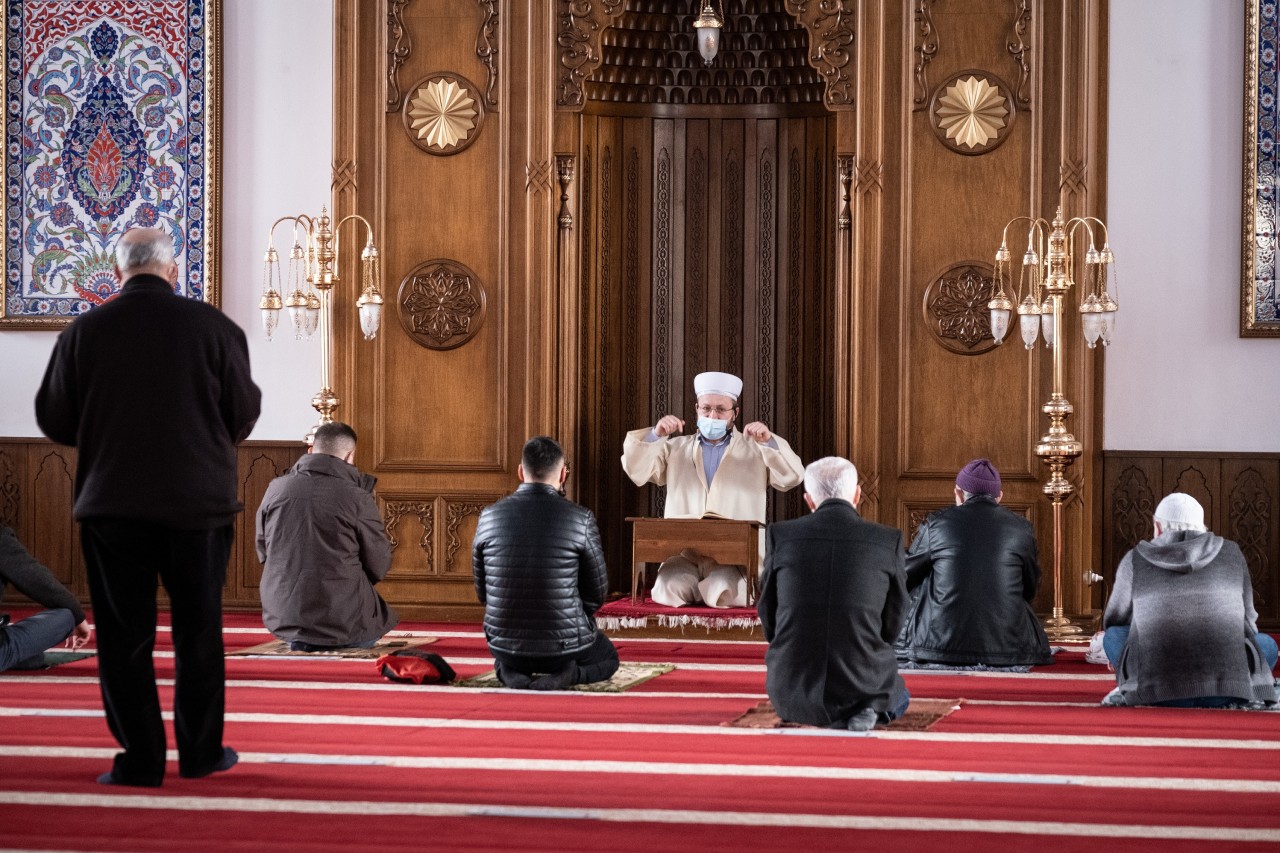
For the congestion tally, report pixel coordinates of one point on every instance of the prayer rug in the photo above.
(52, 658)
(947, 667)
(920, 716)
(279, 648)
(621, 613)
(627, 676)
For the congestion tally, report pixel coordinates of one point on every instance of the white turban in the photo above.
(1179, 508)
(714, 382)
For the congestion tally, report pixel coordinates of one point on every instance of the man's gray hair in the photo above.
(830, 477)
(148, 251)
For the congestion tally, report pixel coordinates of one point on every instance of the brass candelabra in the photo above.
(1046, 279)
(314, 262)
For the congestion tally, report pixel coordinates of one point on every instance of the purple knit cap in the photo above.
(979, 477)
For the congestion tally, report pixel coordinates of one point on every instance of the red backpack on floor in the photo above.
(413, 666)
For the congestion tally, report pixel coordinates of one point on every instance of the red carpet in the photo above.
(334, 757)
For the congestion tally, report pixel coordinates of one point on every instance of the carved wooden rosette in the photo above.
(972, 112)
(443, 113)
(441, 304)
(955, 308)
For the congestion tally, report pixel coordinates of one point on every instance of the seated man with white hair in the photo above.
(1181, 629)
(718, 471)
(832, 599)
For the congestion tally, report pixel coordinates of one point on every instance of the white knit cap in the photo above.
(1179, 508)
(714, 382)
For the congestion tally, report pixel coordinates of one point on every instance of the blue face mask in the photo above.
(712, 429)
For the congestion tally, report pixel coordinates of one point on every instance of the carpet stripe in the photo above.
(703, 731)
(663, 816)
(671, 768)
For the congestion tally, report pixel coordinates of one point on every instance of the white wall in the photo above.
(1178, 376)
(277, 72)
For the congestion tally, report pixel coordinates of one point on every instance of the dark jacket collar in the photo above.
(146, 283)
(837, 506)
(981, 499)
(324, 465)
(537, 488)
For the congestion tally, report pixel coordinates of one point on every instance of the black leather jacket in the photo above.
(539, 571)
(973, 573)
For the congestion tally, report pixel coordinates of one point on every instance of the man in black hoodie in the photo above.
(154, 391)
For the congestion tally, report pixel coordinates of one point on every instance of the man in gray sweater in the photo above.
(1181, 629)
(23, 643)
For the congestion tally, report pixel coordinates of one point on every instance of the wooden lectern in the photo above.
(729, 542)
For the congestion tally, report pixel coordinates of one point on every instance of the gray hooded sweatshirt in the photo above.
(1188, 601)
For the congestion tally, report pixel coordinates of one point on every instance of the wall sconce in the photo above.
(309, 307)
(708, 29)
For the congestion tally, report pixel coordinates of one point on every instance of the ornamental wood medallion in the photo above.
(971, 112)
(955, 308)
(443, 113)
(442, 304)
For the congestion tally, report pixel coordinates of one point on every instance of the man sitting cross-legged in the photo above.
(832, 600)
(323, 546)
(1180, 625)
(540, 574)
(973, 574)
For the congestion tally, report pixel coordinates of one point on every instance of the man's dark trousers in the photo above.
(124, 561)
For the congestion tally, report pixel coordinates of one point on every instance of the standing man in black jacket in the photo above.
(973, 574)
(154, 391)
(23, 643)
(540, 574)
(831, 602)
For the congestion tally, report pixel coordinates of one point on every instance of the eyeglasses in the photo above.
(708, 411)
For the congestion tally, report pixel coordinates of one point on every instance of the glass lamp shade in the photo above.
(270, 307)
(1029, 321)
(1000, 308)
(1108, 315)
(311, 321)
(1091, 320)
(1046, 322)
(707, 26)
(708, 43)
(1029, 325)
(1000, 323)
(296, 305)
(370, 304)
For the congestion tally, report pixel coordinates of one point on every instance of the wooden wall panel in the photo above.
(1240, 494)
(37, 481)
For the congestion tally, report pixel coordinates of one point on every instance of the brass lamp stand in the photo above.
(311, 307)
(1047, 279)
